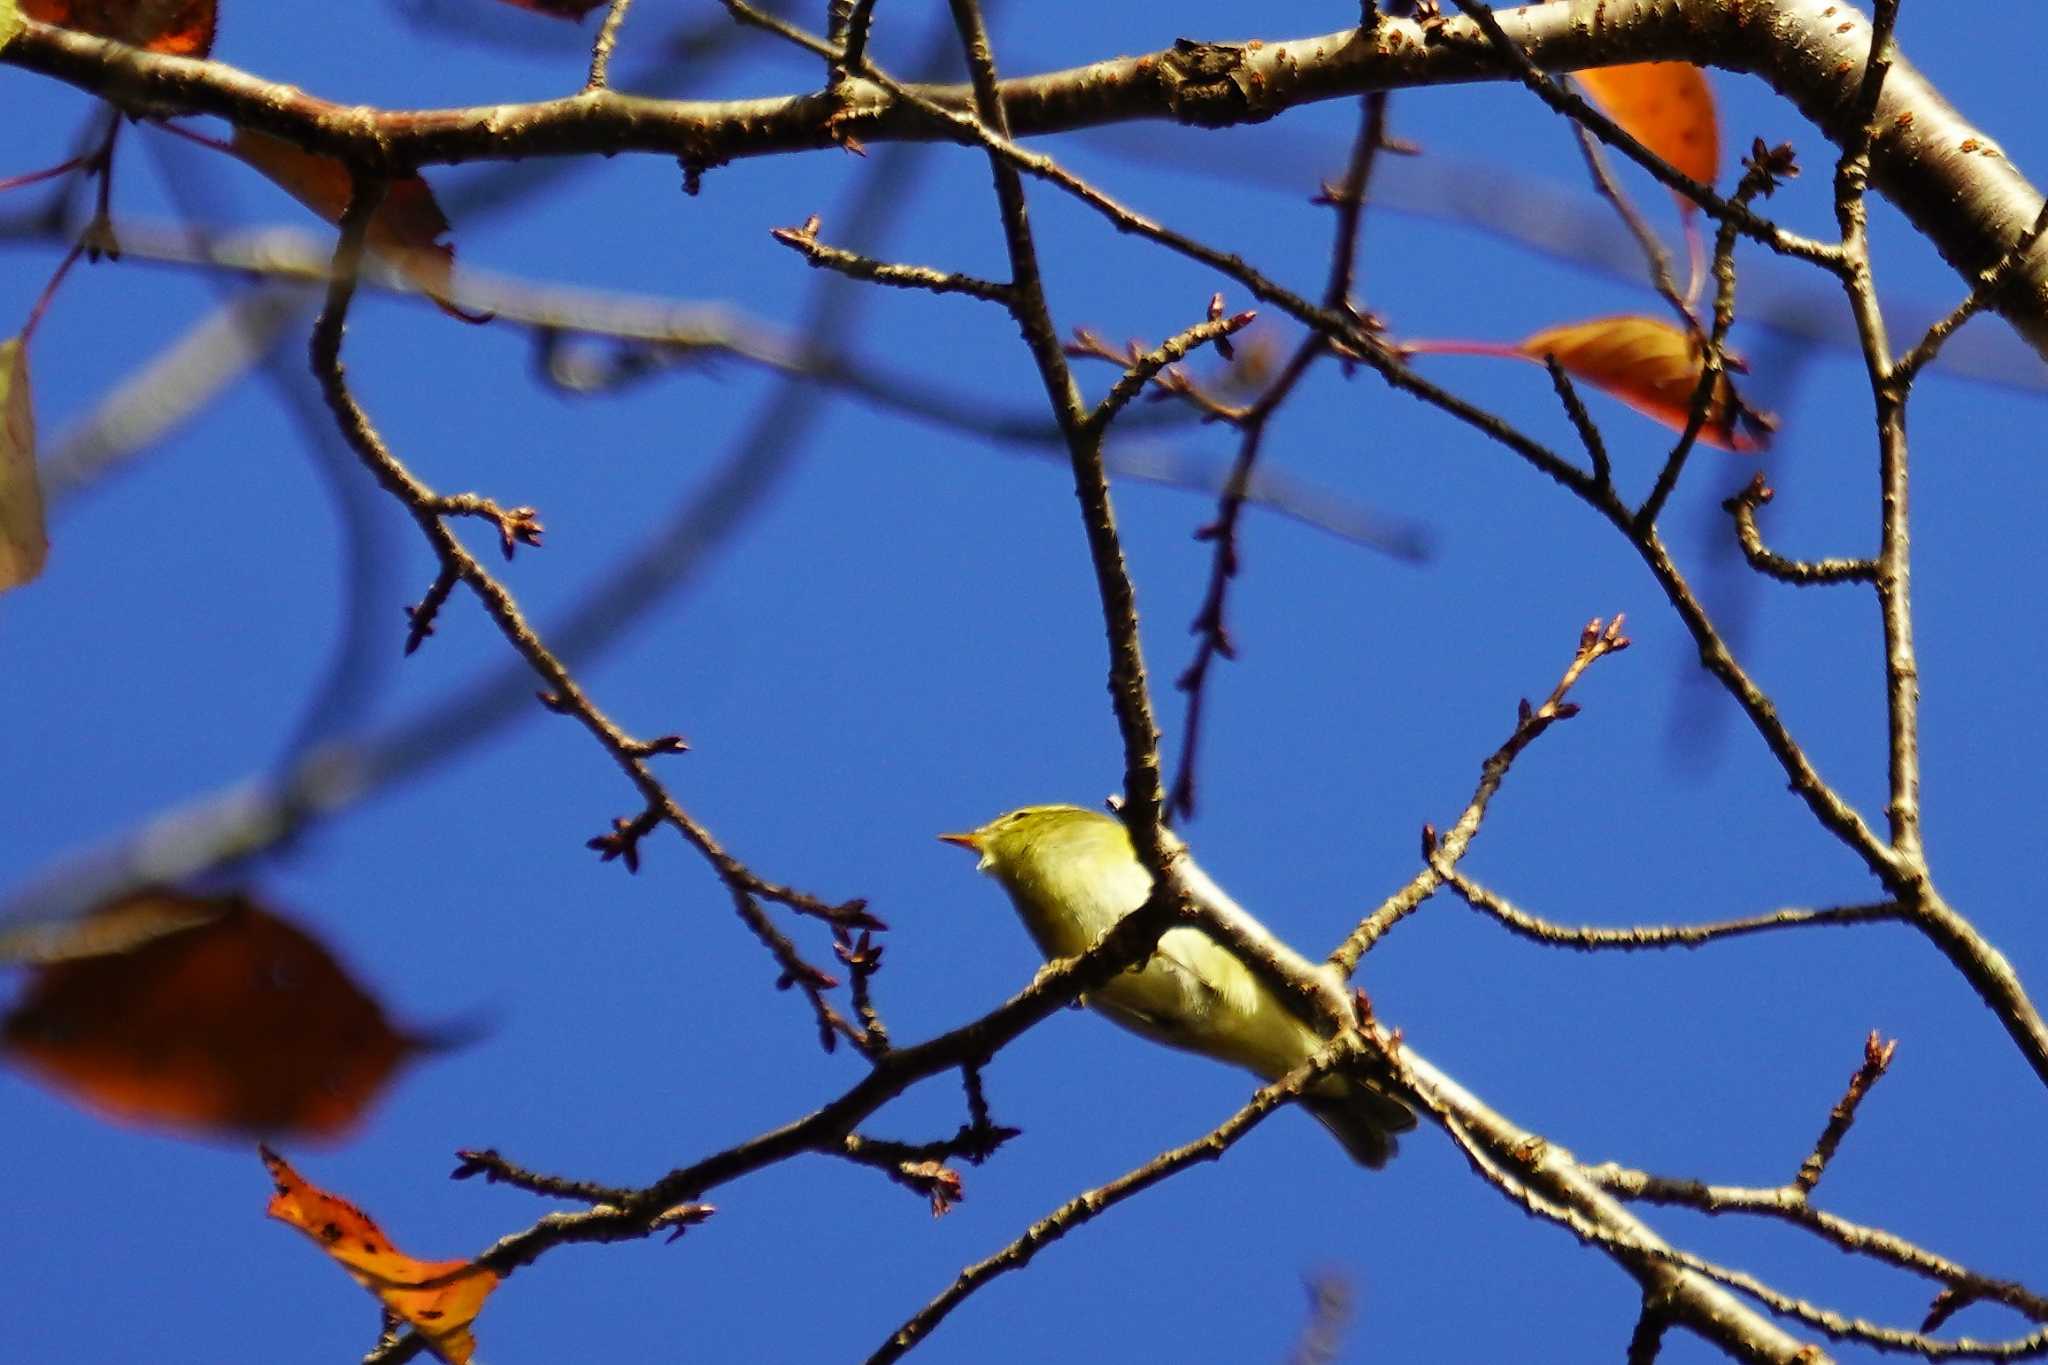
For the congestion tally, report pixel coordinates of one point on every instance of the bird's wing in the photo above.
(1216, 1006)
(1184, 994)
(1209, 973)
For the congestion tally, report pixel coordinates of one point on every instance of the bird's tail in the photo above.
(1361, 1117)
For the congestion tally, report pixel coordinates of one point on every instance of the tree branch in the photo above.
(1947, 176)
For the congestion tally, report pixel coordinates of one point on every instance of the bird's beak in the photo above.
(970, 841)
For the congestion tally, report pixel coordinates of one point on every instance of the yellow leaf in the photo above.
(1666, 106)
(23, 542)
(10, 21)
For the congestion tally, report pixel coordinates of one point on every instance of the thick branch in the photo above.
(1946, 175)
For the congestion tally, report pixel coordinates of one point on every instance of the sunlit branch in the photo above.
(1972, 206)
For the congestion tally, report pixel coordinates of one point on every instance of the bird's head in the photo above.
(1062, 866)
(1012, 844)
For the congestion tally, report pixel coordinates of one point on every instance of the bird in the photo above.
(1072, 874)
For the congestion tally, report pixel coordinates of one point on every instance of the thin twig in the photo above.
(601, 49)
(97, 165)
(1852, 169)
(1592, 938)
(1982, 292)
(1129, 693)
(1582, 421)
(1761, 174)
(1210, 625)
(564, 694)
(1828, 806)
(1877, 1056)
(974, 1143)
(1086, 1207)
(1144, 366)
(496, 1170)
(1596, 641)
(1655, 258)
(862, 958)
(1798, 572)
(855, 266)
(745, 13)
(1787, 1205)
(1888, 396)
(1356, 340)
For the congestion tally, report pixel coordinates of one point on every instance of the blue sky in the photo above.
(901, 638)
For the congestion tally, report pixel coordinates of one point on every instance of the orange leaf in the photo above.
(183, 28)
(441, 1314)
(1666, 106)
(201, 1015)
(1654, 367)
(406, 230)
(23, 541)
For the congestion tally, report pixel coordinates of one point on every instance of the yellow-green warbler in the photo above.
(1072, 874)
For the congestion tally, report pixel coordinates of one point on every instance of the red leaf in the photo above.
(201, 1015)
(183, 28)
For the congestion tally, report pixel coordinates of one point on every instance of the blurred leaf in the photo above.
(1666, 106)
(24, 544)
(406, 230)
(561, 9)
(1654, 367)
(202, 1015)
(118, 927)
(10, 21)
(441, 1315)
(183, 28)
